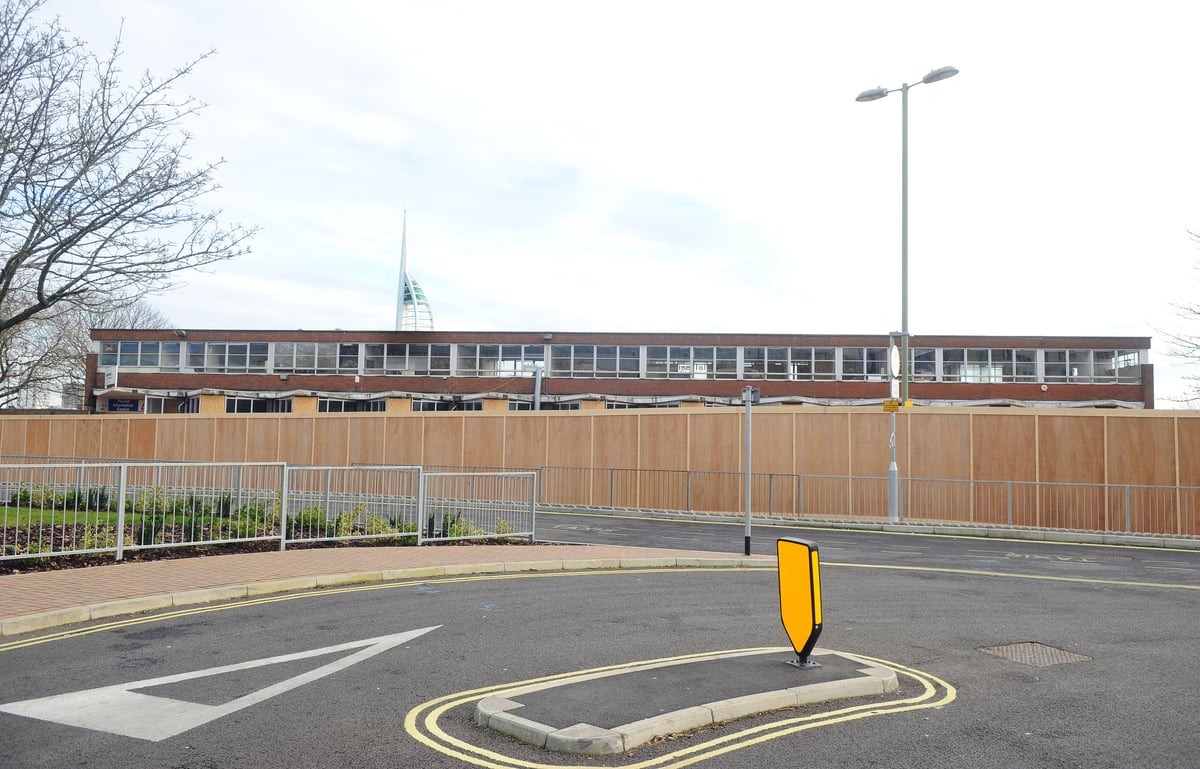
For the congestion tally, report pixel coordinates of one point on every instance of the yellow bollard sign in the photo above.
(800, 596)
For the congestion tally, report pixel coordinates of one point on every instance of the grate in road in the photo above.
(1035, 654)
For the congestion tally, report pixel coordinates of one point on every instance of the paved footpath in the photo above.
(39, 600)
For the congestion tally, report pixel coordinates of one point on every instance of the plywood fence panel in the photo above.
(87, 437)
(365, 440)
(525, 439)
(143, 434)
(172, 439)
(262, 439)
(229, 441)
(715, 436)
(1188, 450)
(12, 437)
(114, 439)
(944, 449)
(37, 438)
(296, 440)
(870, 453)
(404, 439)
(1071, 449)
(62, 437)
(483, 441)
(614, 439)
(1141, 451)
(1004, 447)
(773, 437)
(443, 444)
(568, 439)
(662, 441)
(822, 443)
(331, 440)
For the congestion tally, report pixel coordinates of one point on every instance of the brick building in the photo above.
(245, 371)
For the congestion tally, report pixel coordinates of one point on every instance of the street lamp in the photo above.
(894, 512)
(871, 95)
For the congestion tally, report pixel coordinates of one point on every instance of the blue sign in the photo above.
(125, 404)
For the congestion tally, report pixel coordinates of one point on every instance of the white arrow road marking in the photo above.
(120, 710)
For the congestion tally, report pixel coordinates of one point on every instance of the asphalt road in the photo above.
(1124, 621)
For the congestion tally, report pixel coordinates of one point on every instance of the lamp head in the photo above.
(873, 94)
(942, 73)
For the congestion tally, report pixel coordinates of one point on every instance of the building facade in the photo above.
(223, 371)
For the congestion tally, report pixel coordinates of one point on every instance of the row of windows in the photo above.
(797, 364)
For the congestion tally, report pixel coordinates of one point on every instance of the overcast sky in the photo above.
(690, 166)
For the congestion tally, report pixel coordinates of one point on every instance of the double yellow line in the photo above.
(423, 722)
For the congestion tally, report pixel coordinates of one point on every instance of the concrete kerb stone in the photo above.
(533, 566)
(584, 564)
(421, 572)
(281, 586)
(587, 739)
(349, 578)
(31, 623)
(208, 595)
(684, 720)
(131, 606)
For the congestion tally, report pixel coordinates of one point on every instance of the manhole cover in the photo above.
(1036, 654)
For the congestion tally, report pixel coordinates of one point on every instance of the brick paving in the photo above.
(37, 600)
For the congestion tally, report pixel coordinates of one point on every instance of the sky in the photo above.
(696, 166)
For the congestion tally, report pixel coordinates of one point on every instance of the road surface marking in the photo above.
(120, 709)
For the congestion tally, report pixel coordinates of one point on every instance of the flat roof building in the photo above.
(247, 371)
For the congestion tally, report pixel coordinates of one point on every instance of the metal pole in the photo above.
(904, 247)
(893, 481)
(747, 396)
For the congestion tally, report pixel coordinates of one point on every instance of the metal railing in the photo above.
(56, 509)
(1115, 508)
(347, 503)
(461, 506)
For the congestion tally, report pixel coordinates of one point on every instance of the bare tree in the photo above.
(46, 356)
(98, 197)
(1185, 345)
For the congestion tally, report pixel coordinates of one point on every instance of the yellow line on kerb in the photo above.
(421, 722)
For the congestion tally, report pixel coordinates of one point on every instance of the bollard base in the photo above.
(803, 664)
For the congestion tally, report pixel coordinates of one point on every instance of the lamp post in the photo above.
(943, 73)
(871, 95)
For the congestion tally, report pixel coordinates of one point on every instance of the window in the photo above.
(595, 361)
(520, 406)
(334, 405)
(954, 364)
(241, 405)
(108, 353)
(754, 362)
(561, 406)
(429, 405)
(924, 364)
(777, 363)
(1025, 367)
(809, 363)
(189, 405)
(852, 363)
(613, 405)
(1056, 365)
(727, 367)
(1128, 365)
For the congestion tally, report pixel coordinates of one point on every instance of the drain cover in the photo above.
(1036, 654)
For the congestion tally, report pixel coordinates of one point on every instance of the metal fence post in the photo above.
(1128, 505)
(421, 508)
(121, 512)
(283, 508)
(1010, 504)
